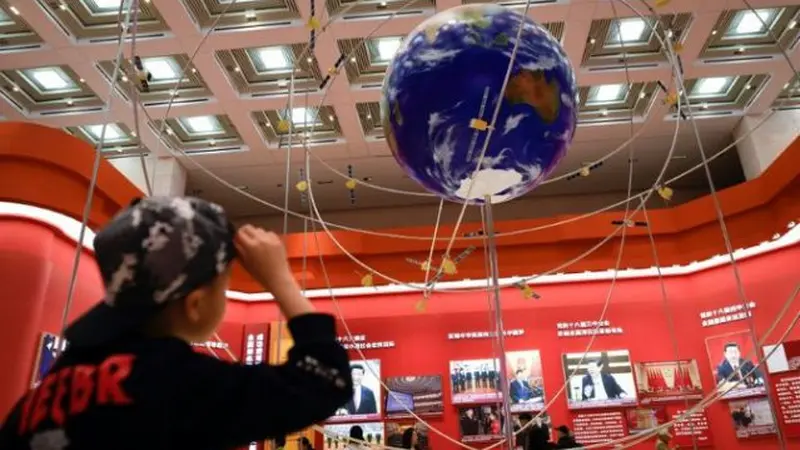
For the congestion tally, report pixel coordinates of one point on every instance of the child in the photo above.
(129, 378)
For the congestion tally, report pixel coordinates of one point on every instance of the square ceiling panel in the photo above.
(789, 97)
(243, 14)
(165, 72)
(612, 42)
(48, 91)
(746, 34)
(15, 33)
(354, 9)
(369, 114)
(723, 95)
(266, 71)
(619, 102)
(200, 134)
(119, 140)
(316, 126)
(368, 59)
(98, 20)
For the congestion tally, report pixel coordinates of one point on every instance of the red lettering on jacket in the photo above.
(82, 388)
(112, 373)
(57, 411)
(41, 405)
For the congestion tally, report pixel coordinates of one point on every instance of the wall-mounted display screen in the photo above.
(525, 381)
(365, 403)
(337, 436)
(475, 380)
(731, 356)
(420, 394)
(599, 379)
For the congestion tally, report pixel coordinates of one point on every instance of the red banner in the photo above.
(598, 427)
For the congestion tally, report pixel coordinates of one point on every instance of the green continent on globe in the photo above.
(533, 89)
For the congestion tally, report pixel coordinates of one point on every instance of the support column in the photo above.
(761, 146)
(167, 176)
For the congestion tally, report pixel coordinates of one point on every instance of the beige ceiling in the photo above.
(224, 81)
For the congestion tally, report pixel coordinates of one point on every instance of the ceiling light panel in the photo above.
(113, 133)
(749, 22)
(50, 79)
(202, 125)
(272, 58)
(711, 86)
(630, 30)
(607, 93)
(387, 47)
(162, 69)
(304, 116)
(103, 5)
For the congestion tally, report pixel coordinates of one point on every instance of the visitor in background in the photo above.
(410, 438)
(394, 437)
(305, 444)
(662, 440)
(280, 443)
(356, 441)
(539, 436)
(565, 438)
(522, 437)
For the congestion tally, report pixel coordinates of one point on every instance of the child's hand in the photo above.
(263, 255)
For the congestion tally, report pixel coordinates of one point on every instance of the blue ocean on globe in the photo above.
(447, 77)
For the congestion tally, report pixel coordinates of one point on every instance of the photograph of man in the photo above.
(734, 369)
(366, 392)
(521, 391)
(599, 379)
(363, 401)
(598, 384)
(731, 356)
(470, 425)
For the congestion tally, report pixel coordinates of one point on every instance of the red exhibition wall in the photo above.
(36, 262)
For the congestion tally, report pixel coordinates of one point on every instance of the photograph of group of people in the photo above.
(480, 423)
(348, 436)
(366, 401)
(420, 394)
(599, 379)
(732, 356)
(668, 381)
(475, 380)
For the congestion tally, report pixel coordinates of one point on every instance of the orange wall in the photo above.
(755, 210)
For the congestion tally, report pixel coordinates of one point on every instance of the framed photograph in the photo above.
(752, 417)
(599, 379)
(732, 359)
(50, 346)
(337, 437)
(420, 394)
(366, 401)
(475, 381)
(668, 381)
(641, 419)
(525, 380)
(784, 358)
(396, 430)
(480, 423)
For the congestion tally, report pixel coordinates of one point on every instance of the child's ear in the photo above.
(192, 305)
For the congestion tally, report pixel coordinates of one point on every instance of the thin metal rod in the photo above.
(494, 275)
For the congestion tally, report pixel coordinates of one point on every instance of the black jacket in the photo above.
(161, 394)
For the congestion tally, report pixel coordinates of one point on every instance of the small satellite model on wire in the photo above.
(448, 266)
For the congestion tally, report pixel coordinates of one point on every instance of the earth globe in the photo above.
(441, 91)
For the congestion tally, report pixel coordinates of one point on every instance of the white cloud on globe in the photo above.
(489, 182)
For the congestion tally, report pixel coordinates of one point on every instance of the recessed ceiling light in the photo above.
(236, 69)
(202, 124)
(194, 70)
(14, 10)
(608, 93)
(273, 58)
(753, 22)
(113, 132)
(250, 14)
(387, 47)
(50, 79)
(642, 94)
(62, 6)
(628, 30)
(302, 116)
(70, 102)
(592, 41)
(106, 5)
(212, 142)
(711, 86)
(741, 49)
(124, 78)
(792, 24)
(309, 59)
(713, 32)
(330, 118)
(603, 112)
(82, 80)
(161, 68)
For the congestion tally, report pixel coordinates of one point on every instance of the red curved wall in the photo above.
(35, 263)
(35, 267)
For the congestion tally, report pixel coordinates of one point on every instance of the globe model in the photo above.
(441, 91)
